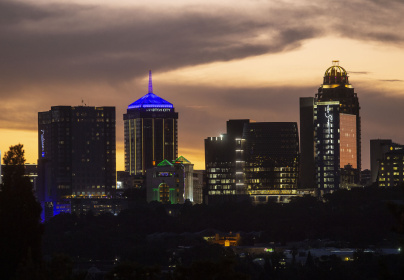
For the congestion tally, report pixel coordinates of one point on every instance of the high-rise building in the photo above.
(223, 159)
(271, 156)
(307, 164)
(386, 162)
(391, 167)
(334, 142)
(150, 132)
(76, 156)
(257, 159)
(378, 147)
(198, 185)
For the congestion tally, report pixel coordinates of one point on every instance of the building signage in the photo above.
(43, 142)
(328, 115)
(158, 110)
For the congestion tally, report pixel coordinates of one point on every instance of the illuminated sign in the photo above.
(158, 110)
(328, 115)
(43, 142)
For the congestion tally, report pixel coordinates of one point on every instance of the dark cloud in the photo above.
(359, 72)
(90, 43)
(394, 80)
(58, 54)
(73, 43)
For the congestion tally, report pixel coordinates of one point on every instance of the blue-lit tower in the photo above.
(150, 132)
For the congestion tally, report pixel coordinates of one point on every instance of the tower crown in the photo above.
(335, 75)
(150, 100)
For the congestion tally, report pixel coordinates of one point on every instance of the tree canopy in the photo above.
(20, 230)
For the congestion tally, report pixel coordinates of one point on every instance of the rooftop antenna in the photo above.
(150, 83)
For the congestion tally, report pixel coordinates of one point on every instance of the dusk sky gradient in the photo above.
(214, 60)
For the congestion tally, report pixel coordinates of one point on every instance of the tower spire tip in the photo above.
(150, 82)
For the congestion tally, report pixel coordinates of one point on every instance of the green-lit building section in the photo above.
(165, 194)
(170, 182)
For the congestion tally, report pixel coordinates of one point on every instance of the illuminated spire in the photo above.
(150, 83)
(150, 100)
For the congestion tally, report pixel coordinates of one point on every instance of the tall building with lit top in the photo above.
(330, 133)
(150, 132)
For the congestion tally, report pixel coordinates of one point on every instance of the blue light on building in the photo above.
(150, 100)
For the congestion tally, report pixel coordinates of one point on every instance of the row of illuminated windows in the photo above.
(221, 192)
(222, 181)
(382, 179)
(394, 168)
(218, 175)
(326, 180)
(326, 186)
(394, 173)
(325, 174)
(218, 170)
(88, 193)
(221, 187)
(328, 157)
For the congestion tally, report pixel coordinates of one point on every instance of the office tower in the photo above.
(378, 147)
(307, 165)
(189, 181)
(76, 151)
(222, 154)
(271, 156)
(198, 185)
(366, 177)
(391, 167)
(170, 182)
(336, 133)
(150, 132)
(257, 159)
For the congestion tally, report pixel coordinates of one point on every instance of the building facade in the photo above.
(271, 157)
(258, 160)
(224, 163)
(378, 147)
(198, 178)
(391, 166)
(76, 156)
(150, 132)
(331, 134)
(170, 182)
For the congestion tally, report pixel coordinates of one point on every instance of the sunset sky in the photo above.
(214, 60)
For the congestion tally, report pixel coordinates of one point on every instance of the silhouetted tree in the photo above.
(20, 228)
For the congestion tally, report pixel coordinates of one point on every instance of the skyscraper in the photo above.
(335, 139)
(76, 151)
(150, 132)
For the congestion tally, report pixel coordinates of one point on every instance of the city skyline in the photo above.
(213, 61)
